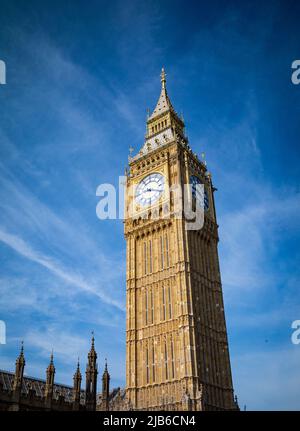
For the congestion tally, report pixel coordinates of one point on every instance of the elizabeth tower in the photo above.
(177, 355)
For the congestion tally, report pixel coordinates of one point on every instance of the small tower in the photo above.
(20, 365)
(77, 387)
(50, 373)
(105, 388)
(91, 378)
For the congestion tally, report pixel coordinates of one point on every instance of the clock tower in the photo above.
(177, 355)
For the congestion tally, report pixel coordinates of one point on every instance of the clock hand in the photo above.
(153, 190)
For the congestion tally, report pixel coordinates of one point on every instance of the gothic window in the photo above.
(172, 359)
(146, 307)
(167, 251)
(166, 360)
(163, 303)
(162, 252)
(150, 256)
(145, 258)
(147, 365)
(170, 302)
(152, 306)
(153, 364)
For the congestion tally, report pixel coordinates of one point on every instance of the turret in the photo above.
(77, 387)
(19, 372)
(105, 388)
(91, 378)
(50, 373)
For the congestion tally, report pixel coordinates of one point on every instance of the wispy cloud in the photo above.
(25, 250)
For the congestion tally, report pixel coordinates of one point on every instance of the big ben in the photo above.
(177, 355)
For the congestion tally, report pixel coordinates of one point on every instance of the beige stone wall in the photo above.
(177, 351)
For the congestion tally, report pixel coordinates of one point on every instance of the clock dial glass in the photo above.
(198, 194)
(149, 189)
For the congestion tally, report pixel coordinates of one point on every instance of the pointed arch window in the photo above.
(152, 305)
(162, 252)
(147, 365)
(145, 258)
(163, 303)
(167, 251)
(166, 360)
(153, 364)
(150, 256)
(172, 360)
(170, 302)
(146, 307)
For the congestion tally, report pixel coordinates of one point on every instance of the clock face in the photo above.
(197, 194)
(149, 189)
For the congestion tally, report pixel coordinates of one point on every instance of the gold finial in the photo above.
(163, 78)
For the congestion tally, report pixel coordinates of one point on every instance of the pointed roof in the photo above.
(106, 373)
(164, 103)
(51, 367)
(77, 374)
(92, 355)
(21, 358)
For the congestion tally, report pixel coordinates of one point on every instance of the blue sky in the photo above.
(80, 76)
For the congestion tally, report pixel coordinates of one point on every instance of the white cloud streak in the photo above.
(19, 245)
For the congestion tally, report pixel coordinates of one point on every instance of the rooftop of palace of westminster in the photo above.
(20, 392)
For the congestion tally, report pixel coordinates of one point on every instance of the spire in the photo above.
(77, 372)
(19, 372)
(163, 104)
(91, 377)
(21, 356)
(50, 373)
(164, 125)
(105, 386)
(92, 356)
(77, 384)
